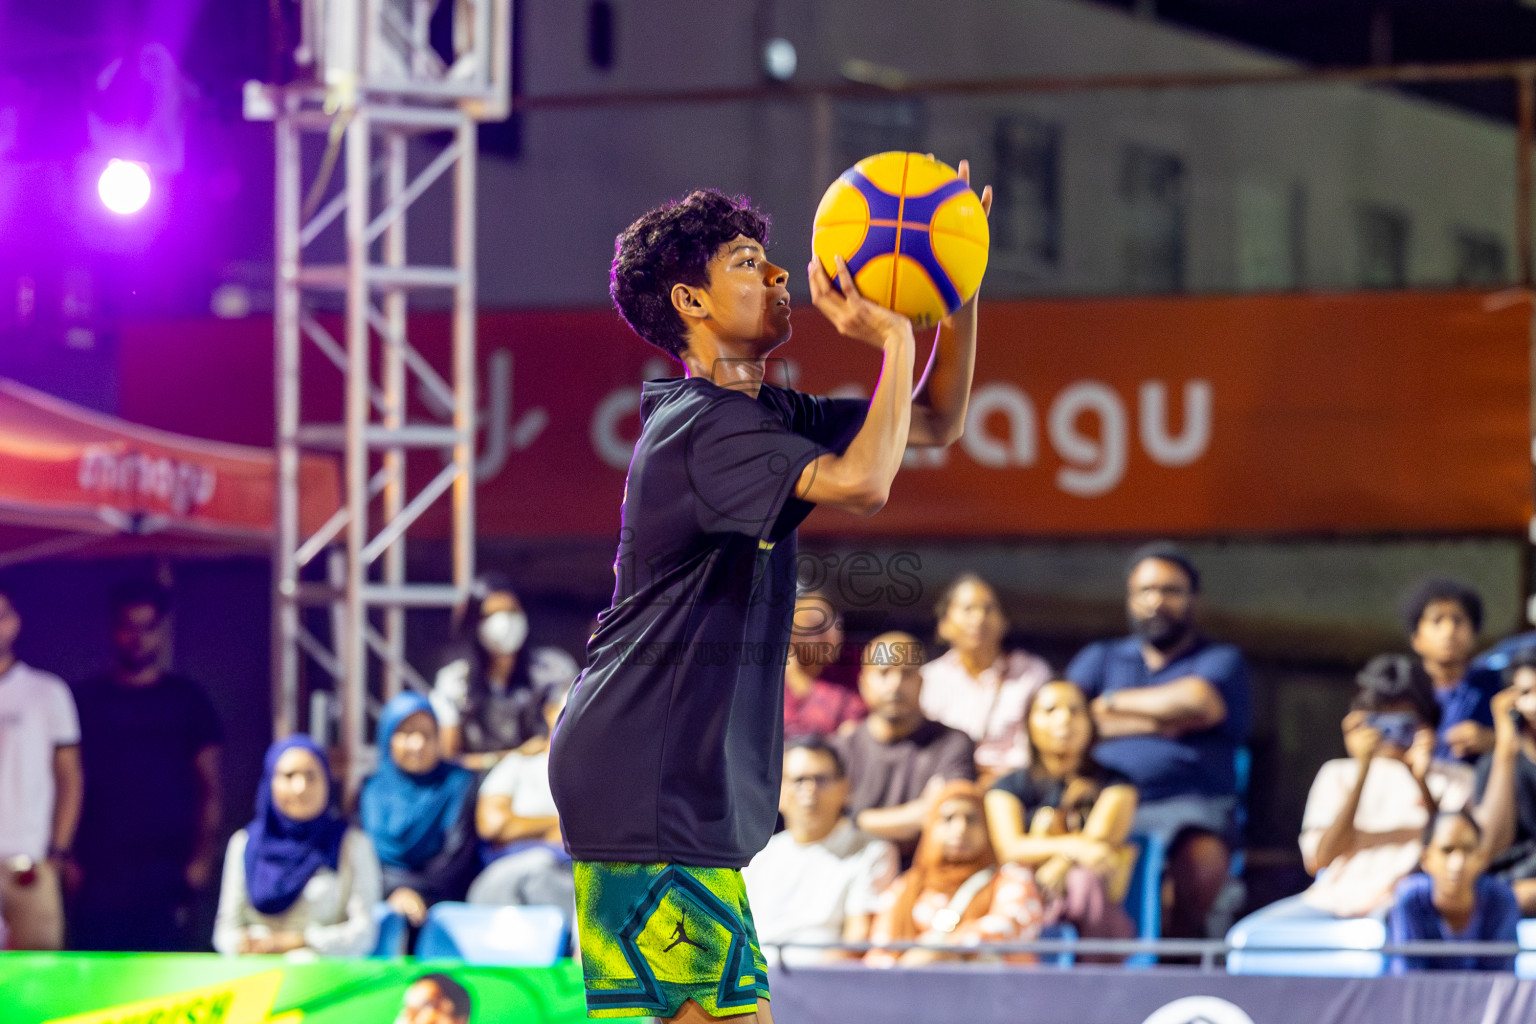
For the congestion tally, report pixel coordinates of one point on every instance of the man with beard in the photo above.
(1171, 708)
(149, 829)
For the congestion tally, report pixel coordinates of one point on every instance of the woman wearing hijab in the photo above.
(1066, 819)
(297, 877)
(956, 895)
(484, 697)
(419, 810)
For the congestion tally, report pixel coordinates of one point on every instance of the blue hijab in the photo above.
(282, 853)
(409, 816)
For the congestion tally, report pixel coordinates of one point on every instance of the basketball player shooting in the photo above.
(665, 765)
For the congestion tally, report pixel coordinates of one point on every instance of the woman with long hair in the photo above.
(956, 896)
(1066, 819)
(483, 696)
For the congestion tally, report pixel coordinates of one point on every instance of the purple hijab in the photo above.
(281, 853)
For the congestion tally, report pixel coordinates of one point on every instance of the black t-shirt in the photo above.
(1035, 791)
(895, 773)
(139, 821)
(502, 721)
(1519, 859)
(670, 746)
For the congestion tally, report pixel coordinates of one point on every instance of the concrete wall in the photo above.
(1275, 179)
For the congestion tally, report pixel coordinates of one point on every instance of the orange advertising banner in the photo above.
(1316, 414)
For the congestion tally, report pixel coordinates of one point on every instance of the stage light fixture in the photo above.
(124, 186)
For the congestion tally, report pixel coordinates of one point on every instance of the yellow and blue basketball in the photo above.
(913, 233)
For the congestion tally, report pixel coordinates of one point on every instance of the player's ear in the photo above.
(689, 302)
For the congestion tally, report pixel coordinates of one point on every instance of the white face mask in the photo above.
(503, 632)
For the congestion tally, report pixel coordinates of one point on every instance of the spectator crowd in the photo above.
(943, 805)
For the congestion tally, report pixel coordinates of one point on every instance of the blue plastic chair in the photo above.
(1525, 963)
(1066, 932)
(1144, 897)
(503, 936)
(1349, 948)
(1242, 770)
(392, 931)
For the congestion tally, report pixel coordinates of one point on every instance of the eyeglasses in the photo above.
(1171, 591)
(819, 781)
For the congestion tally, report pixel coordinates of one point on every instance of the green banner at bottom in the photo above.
(157, 988)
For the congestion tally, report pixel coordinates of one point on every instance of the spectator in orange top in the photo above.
(957, 896)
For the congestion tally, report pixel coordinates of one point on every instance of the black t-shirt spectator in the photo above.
(1035, 791)
(670, 746)
(892, 774)
(139, 823)
(1519, 860)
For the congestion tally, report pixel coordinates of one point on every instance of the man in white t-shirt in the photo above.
(41, 786)
(820, 879)
(515, 812)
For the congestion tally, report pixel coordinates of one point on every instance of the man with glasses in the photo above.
(1171, 708)
(819, 880)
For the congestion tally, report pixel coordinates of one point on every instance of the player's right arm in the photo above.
(859, 480)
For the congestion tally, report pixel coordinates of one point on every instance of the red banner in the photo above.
(1272, 414)
(69, 476)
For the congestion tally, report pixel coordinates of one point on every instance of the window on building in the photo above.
(1026, 199)
(1152, 197)
(600, 32)
(865, 127)
(1271, 237)
(1382, 242)
(1480, 259)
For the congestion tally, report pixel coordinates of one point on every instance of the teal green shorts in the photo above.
(654, 936)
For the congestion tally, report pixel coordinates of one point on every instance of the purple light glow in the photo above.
(124, 186)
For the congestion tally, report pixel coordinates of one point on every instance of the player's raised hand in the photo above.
(964, 170)
(969, 308)
(852, 314)
(964, 173)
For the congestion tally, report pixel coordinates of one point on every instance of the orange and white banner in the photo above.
(69, 468)
(1351, 413)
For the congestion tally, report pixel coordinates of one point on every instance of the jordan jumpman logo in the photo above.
(680, 935)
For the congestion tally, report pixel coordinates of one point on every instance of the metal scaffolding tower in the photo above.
(373, 85)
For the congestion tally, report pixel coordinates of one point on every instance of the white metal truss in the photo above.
(375, 85)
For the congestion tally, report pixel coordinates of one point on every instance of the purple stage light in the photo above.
(124, 186)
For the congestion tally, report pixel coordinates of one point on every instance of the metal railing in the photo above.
(1210, 952)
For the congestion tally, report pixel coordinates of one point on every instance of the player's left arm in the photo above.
(939, 400)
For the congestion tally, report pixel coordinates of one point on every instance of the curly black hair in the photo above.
(672, 245)
(1440, 588)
